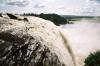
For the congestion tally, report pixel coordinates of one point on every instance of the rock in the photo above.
(25, 19)
(11, 16)
(37, 43)
(0, 15)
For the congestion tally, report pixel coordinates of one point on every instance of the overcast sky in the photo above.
(64, 7)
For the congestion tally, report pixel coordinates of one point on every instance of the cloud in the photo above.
(38, 6)
(96, 0)
(17, 3)
(1, 1)
(21, 3)
(79, 7)
(91, 8)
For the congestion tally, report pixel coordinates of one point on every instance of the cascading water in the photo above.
(35, 43)
(84, 38)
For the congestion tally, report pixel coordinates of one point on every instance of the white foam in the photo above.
(84, 38)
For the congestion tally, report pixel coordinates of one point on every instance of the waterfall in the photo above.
(37, 42)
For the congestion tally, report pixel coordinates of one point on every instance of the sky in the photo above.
(61, 7)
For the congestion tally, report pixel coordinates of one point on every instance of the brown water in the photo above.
(84, 36)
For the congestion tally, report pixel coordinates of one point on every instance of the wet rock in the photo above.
(25, 19)
(11, 16)
(0, 14)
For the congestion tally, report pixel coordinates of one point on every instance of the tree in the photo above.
(93, 59)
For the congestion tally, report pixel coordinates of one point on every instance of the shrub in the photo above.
(93, 59)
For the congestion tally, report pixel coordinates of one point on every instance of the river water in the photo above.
(84, 37)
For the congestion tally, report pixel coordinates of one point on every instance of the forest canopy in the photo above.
(55, 18)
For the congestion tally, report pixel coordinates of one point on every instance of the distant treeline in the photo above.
(55, 18)
(75, 18)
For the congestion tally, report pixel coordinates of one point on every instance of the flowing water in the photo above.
(84, 36)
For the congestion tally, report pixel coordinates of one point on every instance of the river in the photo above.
(84, 37)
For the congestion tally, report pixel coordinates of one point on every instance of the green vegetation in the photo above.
(76, 18)
(93, 59)
(56, 19)
(63, 19)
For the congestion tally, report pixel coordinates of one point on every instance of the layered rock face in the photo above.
(34, 43)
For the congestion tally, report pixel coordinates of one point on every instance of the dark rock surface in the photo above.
(0, 14)
(11, 16)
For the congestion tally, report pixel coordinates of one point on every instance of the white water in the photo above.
(84, 36)
(44, 31)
